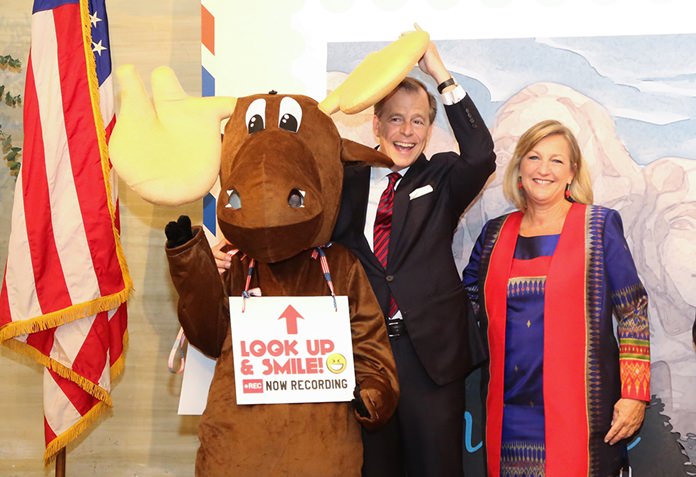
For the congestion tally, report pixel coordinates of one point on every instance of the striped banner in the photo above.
(66, 281)
(208, 67)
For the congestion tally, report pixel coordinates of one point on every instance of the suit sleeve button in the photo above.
(390, 278)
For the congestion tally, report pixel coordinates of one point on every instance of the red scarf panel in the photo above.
(565, 343)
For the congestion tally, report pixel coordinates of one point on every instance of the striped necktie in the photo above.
(382, 230)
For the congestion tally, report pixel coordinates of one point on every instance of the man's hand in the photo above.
(628, 416)
(223, 259)
(431, 64)
(179, 232)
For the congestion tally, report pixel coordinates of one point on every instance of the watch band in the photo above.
(444, 84)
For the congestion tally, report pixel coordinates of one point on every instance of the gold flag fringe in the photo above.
(62, 440)
(120, 364)
(60, 369)
(61, 317)
(74, 431)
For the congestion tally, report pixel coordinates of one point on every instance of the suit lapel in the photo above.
(401, 206)
(358, 186)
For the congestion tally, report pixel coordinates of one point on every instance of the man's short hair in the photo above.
(411, 85)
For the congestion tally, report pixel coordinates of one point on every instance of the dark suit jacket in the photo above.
(421, 272)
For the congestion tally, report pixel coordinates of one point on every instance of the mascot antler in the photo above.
(168, 150)
(154, 138)
(377, 75)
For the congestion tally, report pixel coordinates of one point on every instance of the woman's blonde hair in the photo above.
(580, 187)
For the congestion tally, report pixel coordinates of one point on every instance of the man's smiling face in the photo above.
(403, 127)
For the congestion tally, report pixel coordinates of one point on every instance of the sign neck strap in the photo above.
(317, 252)
(325, 268)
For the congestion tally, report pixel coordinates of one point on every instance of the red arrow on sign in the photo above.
(291, 316)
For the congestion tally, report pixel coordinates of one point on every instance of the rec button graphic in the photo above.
(252, 386)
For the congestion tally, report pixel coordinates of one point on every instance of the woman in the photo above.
(562, 395)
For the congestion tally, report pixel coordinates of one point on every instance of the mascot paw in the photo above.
(179, 232)
(358, 403)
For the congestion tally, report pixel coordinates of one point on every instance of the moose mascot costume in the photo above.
(280, 171)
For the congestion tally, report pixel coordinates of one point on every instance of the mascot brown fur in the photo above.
(280, 176)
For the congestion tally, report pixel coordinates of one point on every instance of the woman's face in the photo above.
(546, 170)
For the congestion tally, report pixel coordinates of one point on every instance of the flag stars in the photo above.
(94, 19)
(98, 47)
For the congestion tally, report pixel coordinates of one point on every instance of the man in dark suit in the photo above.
(433, 336)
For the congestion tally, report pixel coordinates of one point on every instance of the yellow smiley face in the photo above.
(336, 363)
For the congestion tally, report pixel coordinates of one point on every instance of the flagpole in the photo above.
(60, 463)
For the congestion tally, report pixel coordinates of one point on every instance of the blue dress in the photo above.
(523, 449)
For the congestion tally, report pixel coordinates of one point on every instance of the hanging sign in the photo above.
(292, 349)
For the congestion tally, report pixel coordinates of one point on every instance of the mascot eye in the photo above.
(296, 198)
(255, 124)
(234, 201)
(256, 116)
(290, 115)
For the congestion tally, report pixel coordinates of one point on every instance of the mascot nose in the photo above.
(234, 200)
(296, 198)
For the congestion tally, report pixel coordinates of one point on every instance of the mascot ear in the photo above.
(352, 151)
(156, 147)
(377, 75)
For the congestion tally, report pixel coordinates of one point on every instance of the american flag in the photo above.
(63, 296)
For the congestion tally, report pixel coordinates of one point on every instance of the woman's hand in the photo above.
(628, 416)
